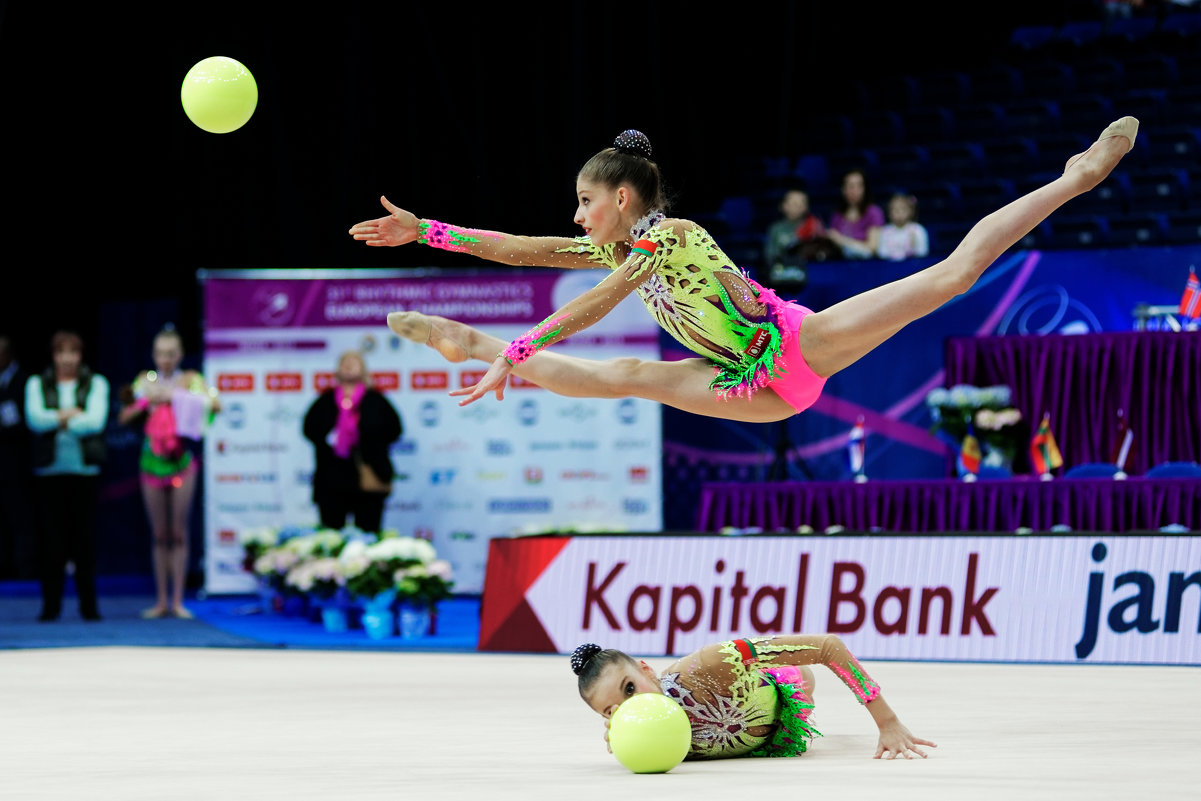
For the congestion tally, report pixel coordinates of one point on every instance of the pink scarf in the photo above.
(346, 432)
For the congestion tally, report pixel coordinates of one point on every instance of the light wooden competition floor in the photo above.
(176, 724)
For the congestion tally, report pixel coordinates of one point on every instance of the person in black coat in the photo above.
(16, 470)
(352, 426)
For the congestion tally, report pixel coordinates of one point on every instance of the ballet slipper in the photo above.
(422, 329)
(1126, 126)
(154, 613)
(182, 612)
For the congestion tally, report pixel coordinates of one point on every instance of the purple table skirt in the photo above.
(1083, 504)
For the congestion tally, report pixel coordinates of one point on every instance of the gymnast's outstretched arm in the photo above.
(401, 227)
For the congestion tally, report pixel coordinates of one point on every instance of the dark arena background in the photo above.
(1040, 621)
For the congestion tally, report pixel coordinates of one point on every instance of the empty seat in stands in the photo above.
(1172, 146)
(953, 161)
(1009, 155)
(1086, 111)
(1158, 189)
(928, 125)
(980, 120)
(1100, 74)
(996, 83)
(1184, 227)
(1138, 229)
(1068, 232)
(979, 196)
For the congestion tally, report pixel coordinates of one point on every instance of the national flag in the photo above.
(1044, 452)
(1190, 301)
(1123, 449)
(969, 453)
(856, 448)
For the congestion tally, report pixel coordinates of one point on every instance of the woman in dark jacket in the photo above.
(352, 425)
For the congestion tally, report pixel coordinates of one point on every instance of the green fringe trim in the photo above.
(745, 379)
(793, 734)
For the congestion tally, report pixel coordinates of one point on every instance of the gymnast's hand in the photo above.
(897, 741)
(398, 228)
(495, 380)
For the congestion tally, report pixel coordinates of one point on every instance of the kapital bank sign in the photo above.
(1077, 598)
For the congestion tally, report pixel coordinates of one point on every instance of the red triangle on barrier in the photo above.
(513, 567)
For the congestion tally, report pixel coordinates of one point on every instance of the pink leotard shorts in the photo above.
(797, 384)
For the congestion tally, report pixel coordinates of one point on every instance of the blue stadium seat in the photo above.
(949, 88)
(1137, 229)
(1184, 227)
(928, 125)
(1029, 38)
(1085, 111)
(1075, 232)
(1158, 189)
(996, 83)
(1102, 74)
(981, 120)
(954, 161)
(979, 196)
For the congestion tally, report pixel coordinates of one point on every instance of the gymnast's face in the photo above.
(167, 353)
(601, 211)
(619, 681)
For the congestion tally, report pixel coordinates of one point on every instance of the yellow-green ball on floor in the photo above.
(649, 733)
(219, 94)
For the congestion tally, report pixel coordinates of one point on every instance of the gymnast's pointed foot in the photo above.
(1095, 164)
(443, 335)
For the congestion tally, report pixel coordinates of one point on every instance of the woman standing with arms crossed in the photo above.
(66, 408)
(174, 406)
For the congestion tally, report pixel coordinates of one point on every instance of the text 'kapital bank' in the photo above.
(730, 604)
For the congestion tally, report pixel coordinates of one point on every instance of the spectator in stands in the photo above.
(903, 237)
(794, 240)
(856, 221)
(797, 225)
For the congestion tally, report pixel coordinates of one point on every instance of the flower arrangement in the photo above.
(996, 423)
(360, 569)
(320, 578)
(424, 584)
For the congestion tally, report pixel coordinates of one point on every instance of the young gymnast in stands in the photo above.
(747, 697)
(760, 358)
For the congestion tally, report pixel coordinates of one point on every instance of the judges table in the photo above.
(1082, 504)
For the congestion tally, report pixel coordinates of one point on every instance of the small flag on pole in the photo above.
(1044, 452)
(969, 454)
(1190, 301)
(1123, 448)
(856, 449)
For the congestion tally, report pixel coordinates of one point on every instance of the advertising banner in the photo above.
(535, 461)
(963, 597)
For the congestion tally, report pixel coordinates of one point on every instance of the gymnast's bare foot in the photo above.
(443, 335)
(1093, 165)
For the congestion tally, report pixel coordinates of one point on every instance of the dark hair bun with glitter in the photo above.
(633, 143)
(582, 655)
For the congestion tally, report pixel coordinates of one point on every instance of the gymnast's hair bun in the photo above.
(633, 143)
(582, 656)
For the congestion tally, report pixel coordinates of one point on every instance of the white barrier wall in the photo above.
(993, 598)
(534, 461)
